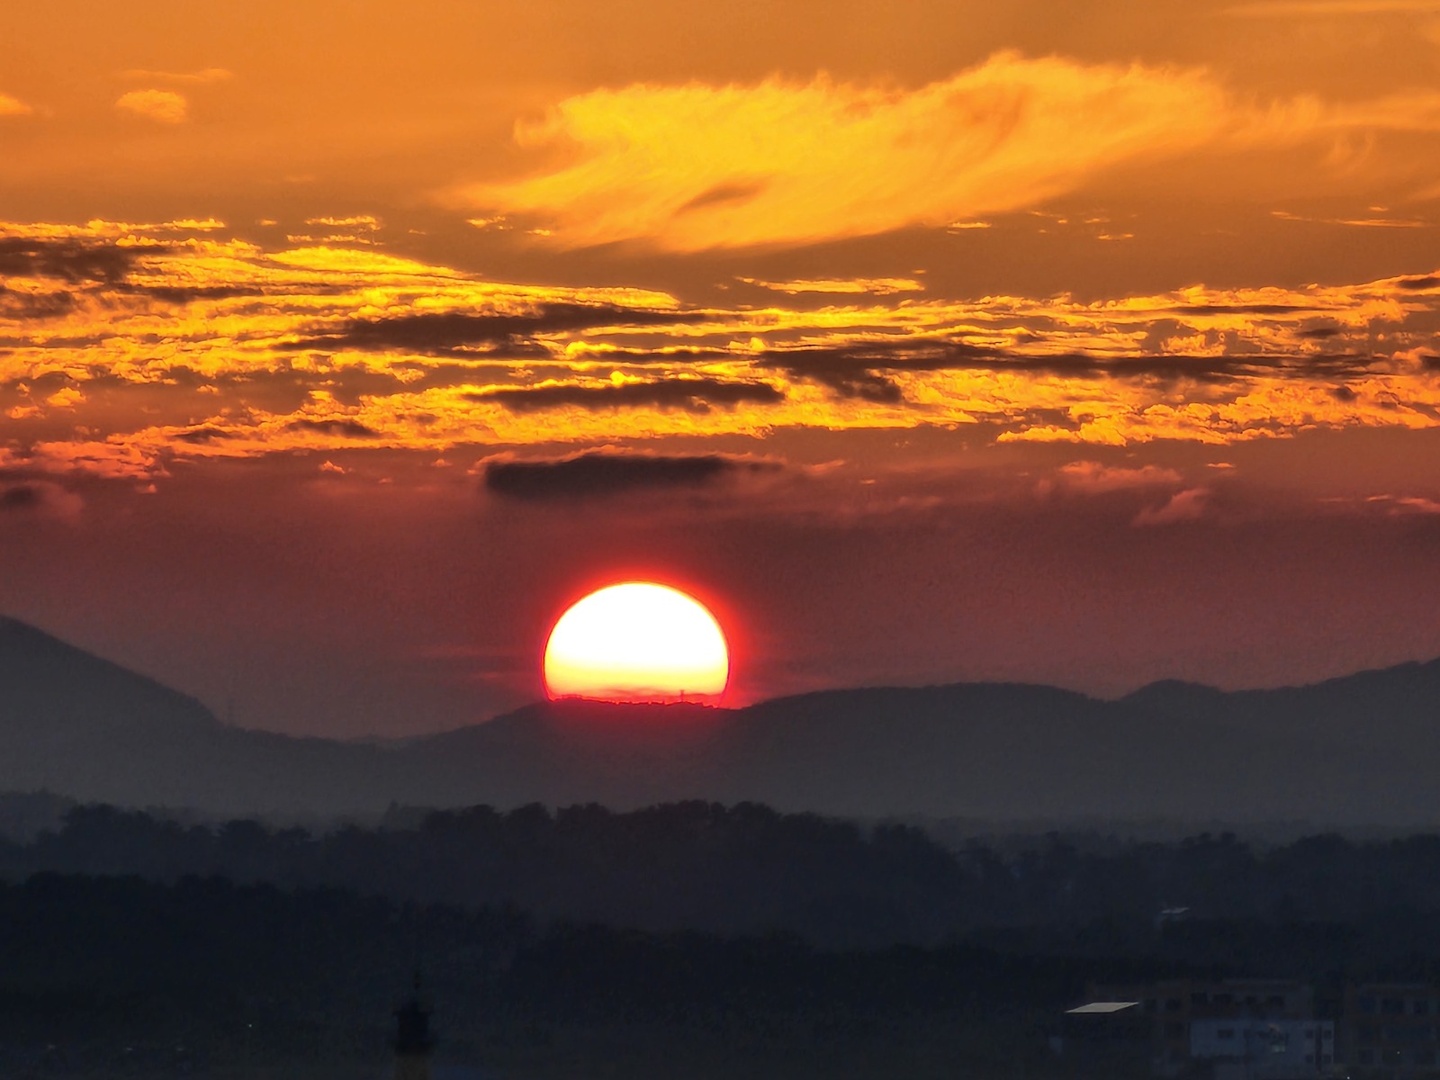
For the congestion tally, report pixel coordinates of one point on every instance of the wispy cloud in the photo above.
(1286, 9)
(699, 166)
(201, 77)
(1403, 505)
(368, 222)
(886, 286)
(164, 106)
(1358, 223)
(13, 106)
(1188, 505)
(39, 498)
(1095, 477)
(696, 166)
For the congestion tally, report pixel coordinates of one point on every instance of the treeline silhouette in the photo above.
(748, 869)
(96, 972)
(741, 941)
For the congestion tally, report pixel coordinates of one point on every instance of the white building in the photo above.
(1259, 1049)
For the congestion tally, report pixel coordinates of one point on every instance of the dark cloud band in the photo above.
(692, 395)
(444, 333)
(69, 259)
(865, 370)
(598, 474)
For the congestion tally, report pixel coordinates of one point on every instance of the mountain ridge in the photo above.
(1356, 749)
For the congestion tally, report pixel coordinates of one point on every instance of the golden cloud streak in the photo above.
(205, 75)
(13, 106)
(694, 167)
(179, 344)
(697, 166)
(165, 106)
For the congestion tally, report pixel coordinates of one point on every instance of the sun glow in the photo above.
(637, 641)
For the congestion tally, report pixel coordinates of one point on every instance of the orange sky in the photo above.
(340, 345)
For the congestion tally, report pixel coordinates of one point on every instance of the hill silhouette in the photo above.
(1362, 749)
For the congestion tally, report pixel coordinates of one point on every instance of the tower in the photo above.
(412, 1038)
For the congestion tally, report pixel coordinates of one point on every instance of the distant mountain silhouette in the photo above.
(77, 725)
(1363, 749)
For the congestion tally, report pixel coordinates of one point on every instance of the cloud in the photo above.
(606, 473)
(1406, 505)
(336, 426)
(70, 259)
(189, 294)
(39, 498)
(368, 222)
(268, 351)
(873, 286)
(591, 350)
(12, 106)
(1094, 477)
(866, 370)
(67, 397)
(692, 395)
(1187, 505)
(697, 166)
(164, 106)
(783, 162)
(1357, 223)
(858, 370)
(1286, 9)
(447, 333)
(205, 75)
(24, 305)
(205, 433)
(19, 497)
(1242, 309)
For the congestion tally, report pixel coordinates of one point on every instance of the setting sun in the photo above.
(637, 641)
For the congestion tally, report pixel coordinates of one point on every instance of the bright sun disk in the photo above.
(637, 641)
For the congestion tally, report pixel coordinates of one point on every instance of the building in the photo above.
(1265, 1029)
(1258, 1049)
(1391, 1031)
(1256, 1029)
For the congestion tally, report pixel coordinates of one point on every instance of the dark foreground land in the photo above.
(690, 940)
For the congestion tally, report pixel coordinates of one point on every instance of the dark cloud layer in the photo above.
(1242, 309)
(21, 497)
(721, 194)
(692, 395)
(350, 429)
(864, 370)
(208, 433)
(604, 473)
(444, 333)
(24, 305)
(27, 498)
(69, 259)
(186, 294)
